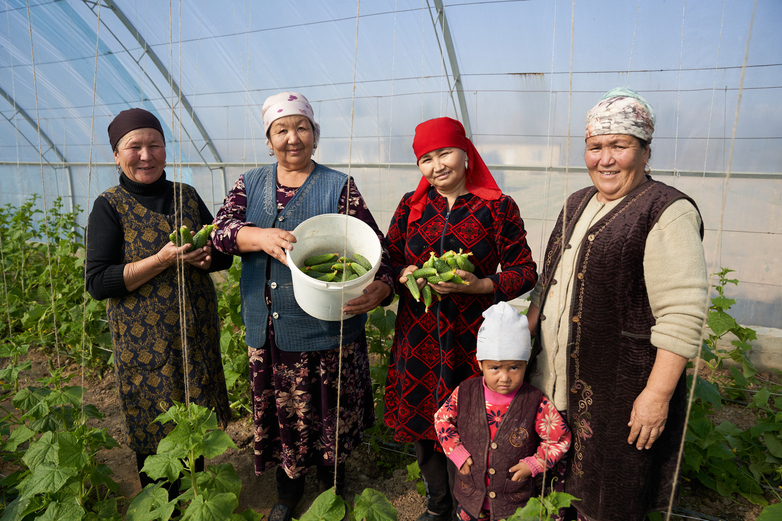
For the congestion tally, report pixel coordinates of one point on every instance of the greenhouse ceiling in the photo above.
(520, 74)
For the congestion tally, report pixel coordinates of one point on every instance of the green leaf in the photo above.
(773, 444)
(383, 320)
(413, 472)
(326, 507)
(720, 322)
(374, 506)
(18, 509)
(760, 400)
(42, 450)
(217, 442)
(719, 451)
(19, 435)
(222, 478)
(708, 392)
(217, 508)
(47, 478)
(722, 302)
(165, 465)
(66, 510)
(101, 475)
(771, 513)
(71, 452)
(154, 498)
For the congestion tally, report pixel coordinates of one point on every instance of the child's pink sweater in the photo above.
(549, 425)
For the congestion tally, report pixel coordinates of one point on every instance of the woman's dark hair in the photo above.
(645, 144)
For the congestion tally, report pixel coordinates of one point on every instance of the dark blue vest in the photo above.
(294, 329)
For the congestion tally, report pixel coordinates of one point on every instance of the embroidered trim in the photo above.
(581, 417)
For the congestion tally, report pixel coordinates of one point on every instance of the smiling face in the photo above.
(292, 139)
(142, 155)
(616, 164)
(503, 376)
(444, 168)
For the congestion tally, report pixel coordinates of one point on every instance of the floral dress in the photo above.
(295, 393)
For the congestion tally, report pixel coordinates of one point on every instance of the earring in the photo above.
(647, 169)
(271, 152)
(315, 146)
(119, 169)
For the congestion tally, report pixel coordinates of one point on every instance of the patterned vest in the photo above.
(294, 329)
(611, 356)
(146, 326)
(516, 439)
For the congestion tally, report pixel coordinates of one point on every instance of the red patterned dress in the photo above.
(433, 352)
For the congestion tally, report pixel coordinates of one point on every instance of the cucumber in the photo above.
(327, 277)
(174, 237)
(448, 276)
(363, 261)
(452, 262)
(426, 295)
(456, 279)
(441, 266)
(464, 263)
(184, 231)
(320, 259)
(323, 268)
(358, 268)
(200, 238)
(430, 261)
(434, 279)
(424, 273)
(412, 285)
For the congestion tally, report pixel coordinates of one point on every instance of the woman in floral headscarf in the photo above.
(295, 359)
(618, 311)
(457, 206)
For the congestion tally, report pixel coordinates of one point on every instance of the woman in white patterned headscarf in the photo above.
(617, 312)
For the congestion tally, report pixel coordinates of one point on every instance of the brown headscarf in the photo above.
(132, 119)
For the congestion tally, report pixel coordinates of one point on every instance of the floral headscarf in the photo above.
(621, 111)
(288, 104)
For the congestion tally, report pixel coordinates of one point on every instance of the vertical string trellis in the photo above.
(89, 186)
(345, 247)
(716, 249)
(43, 190)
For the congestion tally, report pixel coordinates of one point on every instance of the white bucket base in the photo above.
(324, 234)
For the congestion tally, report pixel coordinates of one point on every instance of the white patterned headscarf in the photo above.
(621, 111)
(288, 104)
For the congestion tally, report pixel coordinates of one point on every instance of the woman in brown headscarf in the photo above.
(132, 262)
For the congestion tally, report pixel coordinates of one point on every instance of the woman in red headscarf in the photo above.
(457, 205)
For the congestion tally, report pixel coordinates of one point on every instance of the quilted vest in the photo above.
(515, 440)
(294, 329)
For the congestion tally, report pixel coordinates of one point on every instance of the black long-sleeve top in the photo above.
(105, 236)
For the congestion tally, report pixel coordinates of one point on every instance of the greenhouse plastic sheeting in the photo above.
(528, 72)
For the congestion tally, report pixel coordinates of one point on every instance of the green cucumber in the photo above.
(412, 285)
(184, 231)
(363, 261)
(319, 259)
(424, 273)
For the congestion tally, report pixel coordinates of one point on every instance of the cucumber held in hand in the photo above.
(174, 237)
(200, 238)
(184, 231)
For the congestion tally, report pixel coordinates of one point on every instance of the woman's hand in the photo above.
(647, 419)
(475, 285)
(199, 258)
(407, 271)
(466, 466)
(272, 241)
(533, 315)
(520, 471)
(373, 295)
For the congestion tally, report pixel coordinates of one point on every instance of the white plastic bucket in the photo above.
(324, 234)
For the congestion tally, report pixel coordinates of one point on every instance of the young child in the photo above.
(498, 430)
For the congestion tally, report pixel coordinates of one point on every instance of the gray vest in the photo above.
(294, 329)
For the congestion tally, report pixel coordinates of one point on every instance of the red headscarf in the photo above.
(443, 133)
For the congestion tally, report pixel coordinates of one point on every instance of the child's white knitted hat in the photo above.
(504, 334)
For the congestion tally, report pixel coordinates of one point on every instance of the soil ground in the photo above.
(365, 467)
